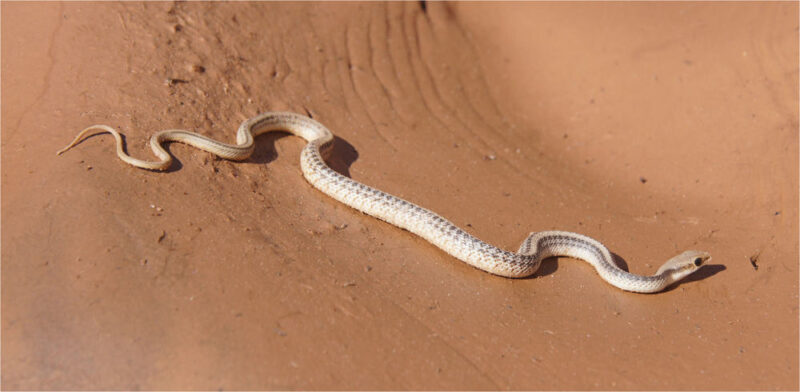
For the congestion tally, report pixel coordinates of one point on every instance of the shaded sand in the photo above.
(652, 127)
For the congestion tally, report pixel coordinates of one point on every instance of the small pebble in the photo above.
(174, 81)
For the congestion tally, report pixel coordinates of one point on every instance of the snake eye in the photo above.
(698, 262)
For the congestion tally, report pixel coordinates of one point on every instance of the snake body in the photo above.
(404, 214)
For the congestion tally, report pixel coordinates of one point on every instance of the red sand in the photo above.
(652, 127)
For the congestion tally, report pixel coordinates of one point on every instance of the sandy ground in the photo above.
(652, 127)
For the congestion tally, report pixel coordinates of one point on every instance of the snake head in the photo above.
(683, 265)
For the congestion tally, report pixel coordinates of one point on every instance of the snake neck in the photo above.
(566, 244)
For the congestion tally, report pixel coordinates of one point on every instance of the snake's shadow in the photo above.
(704, 272)
(341, 157)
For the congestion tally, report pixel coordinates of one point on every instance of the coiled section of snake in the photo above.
(425, 223)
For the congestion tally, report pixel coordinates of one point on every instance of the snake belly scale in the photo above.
(404, 214)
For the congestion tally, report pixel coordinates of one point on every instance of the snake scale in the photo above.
(404, 214)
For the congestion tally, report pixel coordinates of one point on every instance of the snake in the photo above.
(406, 215)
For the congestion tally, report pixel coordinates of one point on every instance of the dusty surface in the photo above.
(653, 128)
